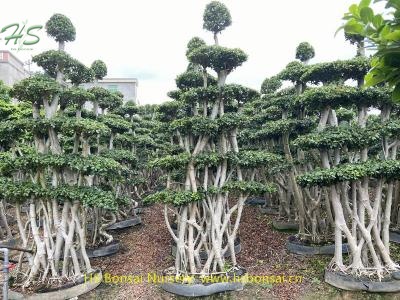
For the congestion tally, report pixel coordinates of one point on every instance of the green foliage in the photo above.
(271, 85)
(60, 28)
(353, 38)
(276, 129)
(304, 51)
(176, 198)
(351, 137)
(344, 96)
(238, 93)
(99, 69)
(218, 58)
(7, 109)
(216, 17)
(383, 33)
(200, 94)
(78, 73)
(252, 188)
(129, 109)
(121, 156)
(12, 130)
(53, 61)
(171, 162)
(339, 70)
(389, 169)
(86, 127)
(35, 88)
(91, 165)
(76, 95)
(193, 44)
(116, 123)
(88, 196)
(191, 79)
(293, 72)
(344, 114)
(257, 158)
(4, 92)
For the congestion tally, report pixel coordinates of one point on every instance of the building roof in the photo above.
(127, 80)
(13, 56)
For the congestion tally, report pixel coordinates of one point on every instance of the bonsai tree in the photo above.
(53, 172)
(216, 18)
(358, 168)
(99, 70)
(305, 52)
(207, 170)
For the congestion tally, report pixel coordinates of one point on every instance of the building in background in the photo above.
(127, 86)
(11, 68)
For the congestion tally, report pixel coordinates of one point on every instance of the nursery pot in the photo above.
(82, 285)
(125, 223)
(351, 283)
(197, 288)
(294, 245)
(105, 250)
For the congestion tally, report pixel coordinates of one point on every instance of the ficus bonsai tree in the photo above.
(358, 166)
(207, 170)
(53, 172)
(99, 70)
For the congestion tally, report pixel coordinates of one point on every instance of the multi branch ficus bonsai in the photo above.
(358, 164)
(54, 171)
(204, 123)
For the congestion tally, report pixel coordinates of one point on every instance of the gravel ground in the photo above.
(146, 249)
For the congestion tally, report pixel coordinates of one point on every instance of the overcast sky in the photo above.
(146, 39)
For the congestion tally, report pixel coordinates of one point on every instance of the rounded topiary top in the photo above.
(304, 51)
(353, 38)
(270, 85)
(61, 28)
(193, 44)
(99, 68)
(216, 17)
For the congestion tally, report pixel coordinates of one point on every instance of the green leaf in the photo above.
(393, 36)
(364, 3)
(396, 93)
(354, 10)
(367, 15)
(377, 21)
(354, 27)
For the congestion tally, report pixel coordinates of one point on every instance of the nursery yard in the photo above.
(146, 249)
(104, 198)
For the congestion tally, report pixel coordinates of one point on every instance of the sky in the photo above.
(146, 39)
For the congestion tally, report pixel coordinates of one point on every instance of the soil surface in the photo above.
(146, 250)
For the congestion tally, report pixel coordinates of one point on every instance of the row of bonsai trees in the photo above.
(68, 173)
(324, 148)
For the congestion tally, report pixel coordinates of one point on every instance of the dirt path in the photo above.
(146, 249)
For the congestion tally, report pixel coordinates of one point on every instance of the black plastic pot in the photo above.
(199, 290)
(105, 250)
(394, 236)
(204, 256)
(351, 283)
(125, 223)
(285, 226)
(255, 201)
(295, 246)
(269, 210)
(67, 291)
